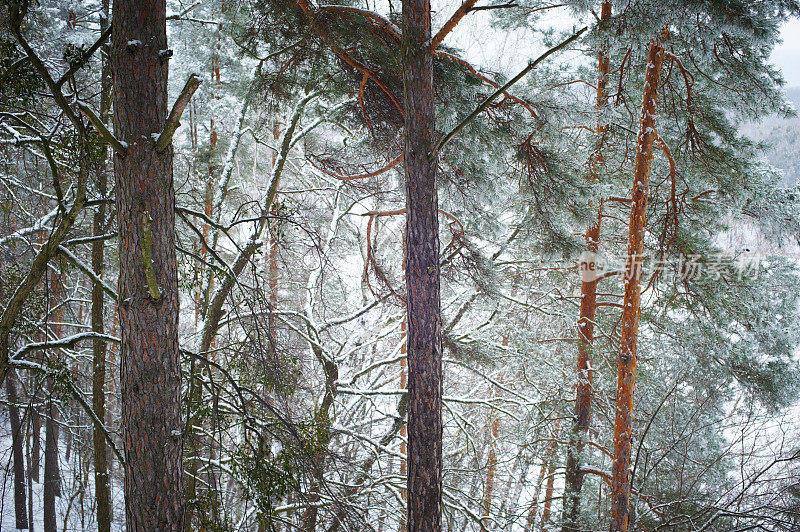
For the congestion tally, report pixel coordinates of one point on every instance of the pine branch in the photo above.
(531, 65)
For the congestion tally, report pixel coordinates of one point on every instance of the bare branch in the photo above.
(174, 119)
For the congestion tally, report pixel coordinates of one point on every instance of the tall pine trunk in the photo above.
(17, 456)
(626, 374)
(145, 201)
(422, 274)
(102, 494)
(573, 481)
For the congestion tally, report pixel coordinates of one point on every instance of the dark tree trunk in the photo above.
(145, 201)
(36, 446)
(20, 508)
(629, 330)
(102, 493)
(422, 274)
(52, 480)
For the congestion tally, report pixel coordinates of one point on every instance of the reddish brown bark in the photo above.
(451, 23)
(626, 375)
(548, 494)
(145, 199)
(573, 482)
(422, 274)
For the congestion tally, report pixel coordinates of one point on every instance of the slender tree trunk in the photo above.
(52, 480)
(52, 477)
(102, 493)
(195, 396)
(145, 201)
(36, 444)
(626, 375)
(531, 521)
(548, 494)
(491, 466)
(404, 426)
(422, 274)
(272, 263)
(573, 481)
(20, 505)
(30, 480)
(548, 462)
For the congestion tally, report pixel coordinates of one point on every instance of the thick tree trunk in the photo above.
(20, 505)
(145, 201)
(422, 274)
(52, 480)
(573, 482)
(626, 375)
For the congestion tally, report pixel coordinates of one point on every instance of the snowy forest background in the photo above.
(289, 219)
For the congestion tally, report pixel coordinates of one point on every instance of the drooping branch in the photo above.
(310, 13)
(366, 175)
(174, 119)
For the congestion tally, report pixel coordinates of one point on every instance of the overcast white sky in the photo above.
(787, 55)
(488, 47)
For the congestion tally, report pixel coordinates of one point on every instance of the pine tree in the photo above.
(422, 274)
(148, 280)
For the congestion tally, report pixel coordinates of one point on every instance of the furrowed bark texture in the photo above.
(626, 375)
(573, 482)
(422, 274)
(145, 200)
